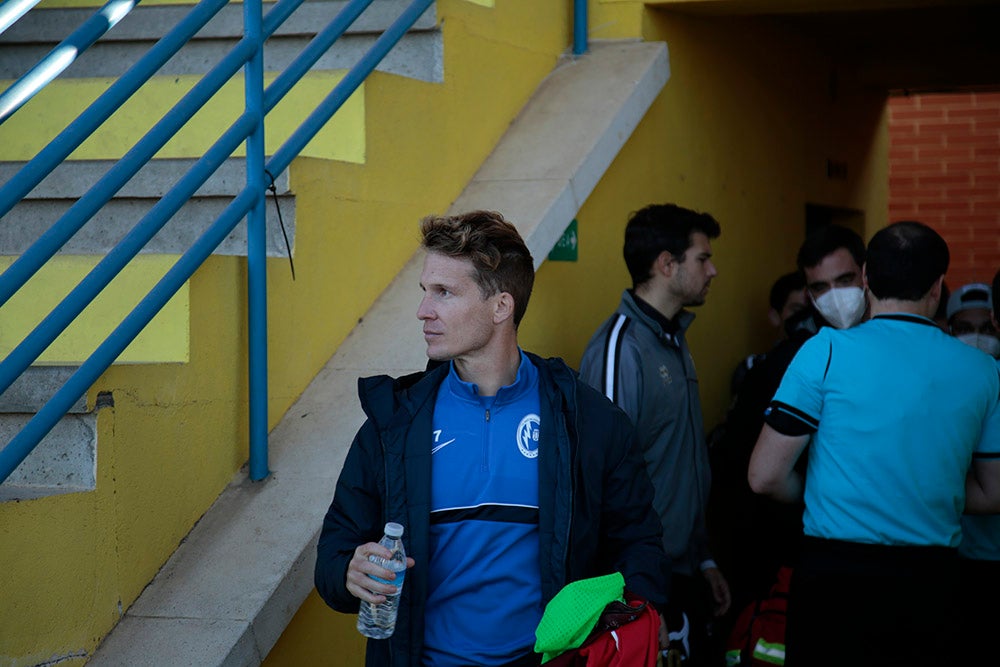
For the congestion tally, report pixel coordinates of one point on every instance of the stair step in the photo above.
(65, 460)
(418, 55)
(61, 189)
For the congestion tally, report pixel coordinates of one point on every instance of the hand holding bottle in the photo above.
(361, 570)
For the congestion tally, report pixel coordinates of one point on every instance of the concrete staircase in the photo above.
(65, 461)
(417, 56)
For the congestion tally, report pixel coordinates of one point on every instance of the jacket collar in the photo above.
(682, 320)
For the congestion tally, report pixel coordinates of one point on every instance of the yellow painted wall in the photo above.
(163, 340)
(70, 564)
(45, 115)
(743, 133)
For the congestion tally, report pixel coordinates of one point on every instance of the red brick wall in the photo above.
(944, 170)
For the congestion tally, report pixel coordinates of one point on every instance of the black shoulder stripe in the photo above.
(829, 358)
(986, 455)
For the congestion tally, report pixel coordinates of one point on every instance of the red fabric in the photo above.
(637, 645)
(761, 621)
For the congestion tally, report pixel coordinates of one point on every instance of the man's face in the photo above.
(974, 320)
(458, 321)
(838, 269)
(693, 275)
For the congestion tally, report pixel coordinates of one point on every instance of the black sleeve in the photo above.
(354, 518)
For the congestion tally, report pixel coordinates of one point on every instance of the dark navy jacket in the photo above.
(595, 499)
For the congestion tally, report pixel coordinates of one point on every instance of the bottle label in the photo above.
(397, 582)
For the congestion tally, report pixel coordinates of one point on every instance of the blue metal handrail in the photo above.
(57, 150)
(45, 247)
(62, 56)
(579, 27)
(12, 10)
(249, 203)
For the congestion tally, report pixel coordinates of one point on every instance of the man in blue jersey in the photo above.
(640, 359)
(903, 427)
(511, 476)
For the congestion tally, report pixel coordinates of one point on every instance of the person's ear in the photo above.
(664, 263)
(503, 309)
(774, 317)
(864, 277)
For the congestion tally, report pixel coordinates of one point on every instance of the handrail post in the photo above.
(256, 245)
(579, 27)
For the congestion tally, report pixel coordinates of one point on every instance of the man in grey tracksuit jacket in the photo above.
(649, 373)
(640, 360)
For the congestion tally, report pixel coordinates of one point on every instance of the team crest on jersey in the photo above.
(527, 436)
(665, 375)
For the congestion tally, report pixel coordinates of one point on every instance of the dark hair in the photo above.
(660, 227)
(996, 294)
(785, 285)
(904, 261)
(500, 259)
(825, 241)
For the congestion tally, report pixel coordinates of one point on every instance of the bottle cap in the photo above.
(393, 530)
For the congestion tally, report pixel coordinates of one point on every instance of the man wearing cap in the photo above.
(970, 318)
(980, 561)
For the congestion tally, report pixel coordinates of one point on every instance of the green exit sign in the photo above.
(565, 249)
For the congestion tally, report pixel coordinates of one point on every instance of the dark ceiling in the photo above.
(923, 49)
(895, 45)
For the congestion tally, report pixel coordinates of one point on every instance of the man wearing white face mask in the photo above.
(896, 450)
(833, 280)
(830, 260)
(970, 318)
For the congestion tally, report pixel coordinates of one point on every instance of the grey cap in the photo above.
(970, 297)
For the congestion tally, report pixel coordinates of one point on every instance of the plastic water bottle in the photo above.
(378, 621)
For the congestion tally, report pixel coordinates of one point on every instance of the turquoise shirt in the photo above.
(981, 533)
(899, 408)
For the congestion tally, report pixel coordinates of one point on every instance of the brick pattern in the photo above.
(944, 170)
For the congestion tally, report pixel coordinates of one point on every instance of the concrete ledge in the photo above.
(244, 570)
(71, 180)
(418, 55)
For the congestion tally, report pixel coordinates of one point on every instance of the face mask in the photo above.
(985, 342)
(842, 307)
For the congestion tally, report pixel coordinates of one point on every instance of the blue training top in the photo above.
(898, 408)
(484, 581)
(981, 533)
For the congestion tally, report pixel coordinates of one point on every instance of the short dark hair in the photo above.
(995, 287)
(500, 259)
(825, 241)
(659, 227)
(905, 259)
(784, 286)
